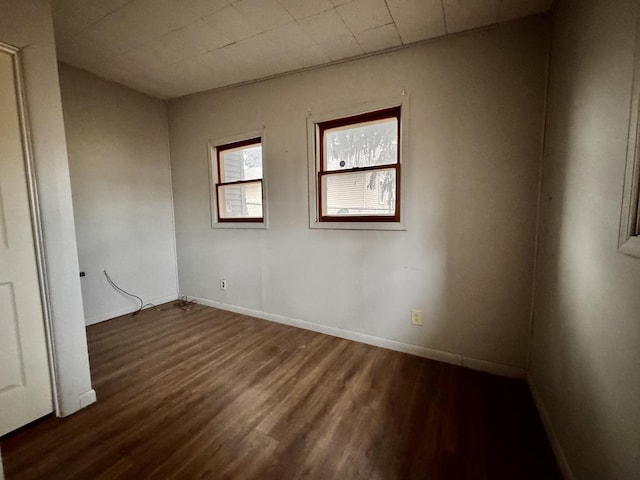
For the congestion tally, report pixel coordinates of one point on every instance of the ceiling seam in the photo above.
(393, 20)
(348, 28)
(87, 27)
(444, 17)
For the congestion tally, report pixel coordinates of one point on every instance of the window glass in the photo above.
(364, 145)
(242, 200)
(241, 163)
(359, 193)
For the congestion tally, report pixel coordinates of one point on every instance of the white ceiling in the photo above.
(169, 48)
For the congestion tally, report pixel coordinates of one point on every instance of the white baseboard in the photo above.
(87, 398)
(124, 311)
(494, 368)
(420, 351)
(563, 464)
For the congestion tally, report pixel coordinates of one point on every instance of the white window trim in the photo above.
(628, 238)
(313, 151)
(213, 180)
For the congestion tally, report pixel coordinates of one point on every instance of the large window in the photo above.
(238, 182)
(359, 167)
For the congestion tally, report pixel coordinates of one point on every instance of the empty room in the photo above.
(323, 239)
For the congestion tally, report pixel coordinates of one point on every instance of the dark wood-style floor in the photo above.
(211, 394)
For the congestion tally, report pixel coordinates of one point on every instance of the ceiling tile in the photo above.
(149, 57)
(203, 73)
(510, 9)
(219, 70)
(73, 16)
(203, 8)
(81, 54)
(305, 8)
(135, 24)
(108, 70)
(94, 43)
(151, 85)
(79, 9)
(417, 19)
(133, 62)
(68, 24)
(253, 58)
(264, 14)
(344, 49)
(361, 15)
(329, 31)
(108, 40)
(230, 26)
(165, 51)
(105, 6)
(189, 69)
(161, 55)
(324, 27)
(191, 41)
(379, 38)
(297, 46)
(466, 14)
(163, 12)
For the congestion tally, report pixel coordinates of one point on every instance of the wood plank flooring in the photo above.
(215, 395)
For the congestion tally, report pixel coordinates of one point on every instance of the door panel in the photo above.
(11, 374)
(25, 387)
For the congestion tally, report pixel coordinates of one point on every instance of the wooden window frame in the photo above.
(354, 120)
(219, 150)
(216, 147)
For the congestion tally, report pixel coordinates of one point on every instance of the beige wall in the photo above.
(586, 334)
(466, 258)
(27, 24)
(119, 161)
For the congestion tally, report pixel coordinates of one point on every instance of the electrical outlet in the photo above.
(416, 317)
(223, 284)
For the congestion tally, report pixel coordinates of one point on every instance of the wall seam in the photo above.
(536, 245)
(173, 213)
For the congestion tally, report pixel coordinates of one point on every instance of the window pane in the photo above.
(361, 145)
(242, 163)
(359, 193)
(240, 201)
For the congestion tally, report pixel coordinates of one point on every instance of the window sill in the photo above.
(241, 225)
(390, 226)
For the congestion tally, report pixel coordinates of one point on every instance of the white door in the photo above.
(25, 388)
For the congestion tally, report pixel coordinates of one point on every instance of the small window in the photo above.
(358, 168)
(239, 187)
